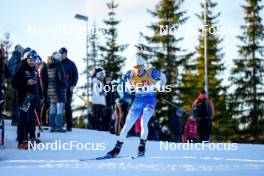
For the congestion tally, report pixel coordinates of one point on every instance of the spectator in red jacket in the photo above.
(203, 112)
(191, 130)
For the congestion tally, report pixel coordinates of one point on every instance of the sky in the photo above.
(47, 25)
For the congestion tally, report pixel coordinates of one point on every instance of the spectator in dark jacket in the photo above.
(4, 75)
(13, 64)
(56, 92)
(110, 104)
(42, 69)
(14, 61)
(72, 78)
(203, 112)
(27, 85)
(176, 124)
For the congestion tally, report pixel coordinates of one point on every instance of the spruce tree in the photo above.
(163, 50)
(112, 60)
(215, 54)
(247, 74)
(189, 81)
(193, 75)
(94, 47)
(6, 44)
(215, 67)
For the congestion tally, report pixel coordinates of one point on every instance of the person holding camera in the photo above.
(27, 85)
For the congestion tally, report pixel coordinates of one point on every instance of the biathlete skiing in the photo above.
(142, 81)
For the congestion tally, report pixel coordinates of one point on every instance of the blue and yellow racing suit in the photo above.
(144, 102)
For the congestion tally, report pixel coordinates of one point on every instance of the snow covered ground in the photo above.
(246, 160)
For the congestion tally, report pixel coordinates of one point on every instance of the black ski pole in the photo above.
(172, 104)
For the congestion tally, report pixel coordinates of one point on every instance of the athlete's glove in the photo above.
(160, 95)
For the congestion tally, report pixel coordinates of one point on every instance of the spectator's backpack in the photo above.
(201, 109)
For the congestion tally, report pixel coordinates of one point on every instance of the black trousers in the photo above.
(15, 108)
(107, 118)
(204, 129)
(43, 114)
(68, 109)
(98, 115)
(26, 126)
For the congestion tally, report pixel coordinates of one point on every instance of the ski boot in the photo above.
(141, 148)
(116, 150)
(24, 145)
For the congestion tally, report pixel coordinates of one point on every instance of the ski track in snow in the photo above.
(247, 160)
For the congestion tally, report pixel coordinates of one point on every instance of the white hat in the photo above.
(25, 55)
(138, 61)
(56, 55)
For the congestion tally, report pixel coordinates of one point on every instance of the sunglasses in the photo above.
(32, 60)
